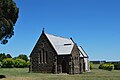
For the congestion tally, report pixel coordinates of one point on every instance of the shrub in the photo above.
(101, 66)
(91, 65)
(20, 63)
(27, 63)
(117, 65)
(8, 63)
(0, 64)
(111, 67)
(107, 66)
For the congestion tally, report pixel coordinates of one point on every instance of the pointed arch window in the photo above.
(39, 57)
(46, 57)
(43, 56)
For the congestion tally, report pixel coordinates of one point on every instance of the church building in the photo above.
(54, 54)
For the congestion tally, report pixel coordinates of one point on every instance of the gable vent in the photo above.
(67, 44)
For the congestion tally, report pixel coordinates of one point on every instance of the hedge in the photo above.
(17, 63)
(117, 65)
(107, 66)
(20, 63)
(8, 63)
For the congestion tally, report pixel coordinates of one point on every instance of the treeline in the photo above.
(21, 61)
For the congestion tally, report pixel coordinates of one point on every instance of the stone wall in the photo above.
(76, 60)
(43, 61)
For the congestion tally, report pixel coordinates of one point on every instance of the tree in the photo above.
(14, 58)
(2, 56)
(23, 56)
(8, 17)
(9, 56)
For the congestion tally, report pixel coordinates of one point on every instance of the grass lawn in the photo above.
(22, 74)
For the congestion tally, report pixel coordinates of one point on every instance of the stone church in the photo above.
(54, 54)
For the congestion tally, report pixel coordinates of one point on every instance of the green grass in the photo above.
(22, 74)
(96, 66)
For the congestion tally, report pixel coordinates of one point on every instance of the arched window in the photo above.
(45, 57)
(43, 52)
(42, 56)
(39, 57)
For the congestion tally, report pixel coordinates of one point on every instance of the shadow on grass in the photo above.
(2, 76)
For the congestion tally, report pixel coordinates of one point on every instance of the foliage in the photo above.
(9, 56)
(28, 63)
(20, 63)
(8, 17)
(101, 66)
(116, 65)
(8, 63)
(23, 56)
(2, 56)
(107, 66)
(14, 58)
(0, 64)
(91, 65)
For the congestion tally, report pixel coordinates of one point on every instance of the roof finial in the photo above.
(43, 30)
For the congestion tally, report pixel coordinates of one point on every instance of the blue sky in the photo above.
(93, 24)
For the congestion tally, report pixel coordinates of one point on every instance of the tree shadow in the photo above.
(2, 76)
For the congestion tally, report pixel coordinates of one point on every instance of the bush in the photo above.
(8, 63)
(0, 64)
(111, 67)
(117, 65)
(101, 66)
(107, 66)
(20, 63)
(91, 65)
(27, 63)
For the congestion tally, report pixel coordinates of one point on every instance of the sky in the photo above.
(93, 24)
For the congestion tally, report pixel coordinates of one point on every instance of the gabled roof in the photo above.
(82, 52)
(62, 45)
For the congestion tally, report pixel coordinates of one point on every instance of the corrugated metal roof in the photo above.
(82, 52)
(62, 45)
